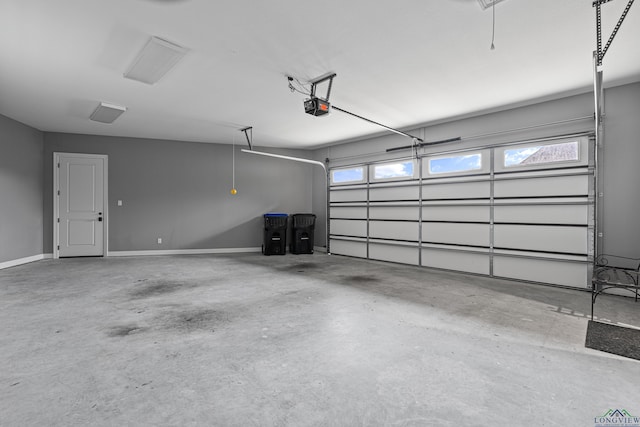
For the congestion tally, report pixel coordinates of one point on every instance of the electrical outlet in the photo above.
(159, 240)
(119, 202)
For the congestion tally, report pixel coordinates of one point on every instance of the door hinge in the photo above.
(58, 192)
(58, 220)
(58, 165)
(58, 247)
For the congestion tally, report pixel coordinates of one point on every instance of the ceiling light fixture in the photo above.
(107, 113)
(154, 60)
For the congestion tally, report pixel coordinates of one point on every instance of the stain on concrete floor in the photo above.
(358, 279)
(156, 288)
(179, 320)
(192, 319)
(124, 330)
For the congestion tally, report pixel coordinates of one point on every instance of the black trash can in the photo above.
(275, 234)
(302, 229)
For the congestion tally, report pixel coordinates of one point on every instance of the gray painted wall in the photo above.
(620, 171)
(179, 191)
(620, 174)
(20, 190)
(319, 202)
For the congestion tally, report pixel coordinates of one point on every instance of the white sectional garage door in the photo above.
(522, 211)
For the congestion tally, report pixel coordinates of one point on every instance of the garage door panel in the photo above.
(561, 239)
(397, 230)
(409, 213)
(543, 214)
(456, 260)
(356, 195)
(456, 213)
(394, 212)
(349, 248)
(349, 227)
(545, 271)
(394, 193)
(531, 221)
(349, 212)
(542, 187)
(462, 190)
(456, 233)
(393, 253)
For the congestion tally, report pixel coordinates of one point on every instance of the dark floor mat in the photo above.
(613, 339)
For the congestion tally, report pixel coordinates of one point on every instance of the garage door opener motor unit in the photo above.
(317, 107)
(314, 105)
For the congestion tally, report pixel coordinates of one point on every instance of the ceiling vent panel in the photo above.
(154, 60)
(107, 113)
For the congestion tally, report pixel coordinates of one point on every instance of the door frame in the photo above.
(56, 200)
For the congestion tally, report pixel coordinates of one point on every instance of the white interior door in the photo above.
(80, 205)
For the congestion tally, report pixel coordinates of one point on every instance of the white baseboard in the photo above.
(40, 257)
(183, 252)
(25, 260)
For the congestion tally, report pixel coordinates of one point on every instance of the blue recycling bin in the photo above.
(275, 234)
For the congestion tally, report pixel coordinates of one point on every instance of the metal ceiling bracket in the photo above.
(246, 134)
(418, 143)
(600, 51)
(321, 79)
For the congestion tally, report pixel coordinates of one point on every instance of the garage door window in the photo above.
(348, 175)
(455, 164)
(392, 171)
(541, 154)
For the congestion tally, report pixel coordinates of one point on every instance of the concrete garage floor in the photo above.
(307, 340)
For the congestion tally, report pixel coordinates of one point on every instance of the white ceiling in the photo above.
(398, 62)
